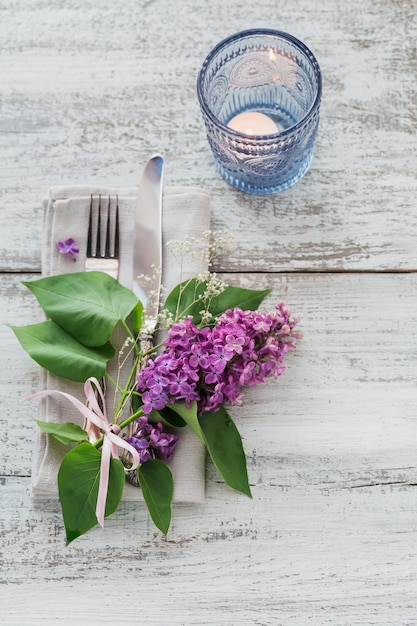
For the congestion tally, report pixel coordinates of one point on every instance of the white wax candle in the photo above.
(253, 123)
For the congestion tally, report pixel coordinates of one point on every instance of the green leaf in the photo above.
(187, 298)
(78, 481)
(184, 299)
(223, 442)
(231, 297)
(135, 402)
(56, 351)
(88, 305)
(156, 482)
(65, 433)
(137, 317)
(170, 417)
(225, 447)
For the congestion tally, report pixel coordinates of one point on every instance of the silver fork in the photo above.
(102, 255)
(103, 237)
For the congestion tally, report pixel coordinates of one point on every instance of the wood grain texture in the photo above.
(328, 537)
(88, 92)
(313, 556)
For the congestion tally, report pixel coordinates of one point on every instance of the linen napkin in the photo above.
(185, 215)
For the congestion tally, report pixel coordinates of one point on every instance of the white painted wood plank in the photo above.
(329, 535)
(88, 94)
(290, 556)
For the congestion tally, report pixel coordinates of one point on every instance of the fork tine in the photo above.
(116, 231)
(112, 233)
(103, 236)
(90, 229)
(98, 230)
(107, 252)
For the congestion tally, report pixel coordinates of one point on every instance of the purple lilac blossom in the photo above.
(211, 365)
(151, 441)
(69, 246)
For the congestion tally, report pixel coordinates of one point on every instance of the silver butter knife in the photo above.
(147, 250)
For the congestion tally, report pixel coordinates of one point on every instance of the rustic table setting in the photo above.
(88, 93)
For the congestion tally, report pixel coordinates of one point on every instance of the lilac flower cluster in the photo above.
(212, 364)
(151, 441)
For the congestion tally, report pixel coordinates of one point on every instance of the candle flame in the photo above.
(272, 56)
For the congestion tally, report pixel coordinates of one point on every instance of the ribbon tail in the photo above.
(97, 419)
(122, 443)
(108, 450)
(104, 481)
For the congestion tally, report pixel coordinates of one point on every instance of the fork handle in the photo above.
(108, 268)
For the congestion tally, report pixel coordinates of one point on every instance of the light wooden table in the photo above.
(88, 92)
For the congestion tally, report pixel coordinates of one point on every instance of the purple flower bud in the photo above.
(151, 441)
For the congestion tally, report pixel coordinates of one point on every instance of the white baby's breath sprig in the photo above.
(205, 250)
(214, 287)
(127, 344)
(212, 244)
(206, 316)
(218, 243)
(165, 319)
(190, 246)
(155, 297)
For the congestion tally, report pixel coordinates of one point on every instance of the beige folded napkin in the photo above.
(186, 214)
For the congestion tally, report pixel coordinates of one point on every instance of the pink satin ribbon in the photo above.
(111, 439)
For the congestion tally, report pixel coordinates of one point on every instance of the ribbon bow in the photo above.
(111, 440)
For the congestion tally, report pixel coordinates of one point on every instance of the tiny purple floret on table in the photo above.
(69, 246)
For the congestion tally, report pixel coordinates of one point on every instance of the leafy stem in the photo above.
(126, 393)
(183, 287)
(131, 336)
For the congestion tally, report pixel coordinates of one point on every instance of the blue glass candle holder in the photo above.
(259, 93)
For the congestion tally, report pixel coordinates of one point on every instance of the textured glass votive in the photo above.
(259, 93)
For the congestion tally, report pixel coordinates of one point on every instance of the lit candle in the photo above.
(253, 123)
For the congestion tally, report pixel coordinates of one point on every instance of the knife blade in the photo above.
(147, 250)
